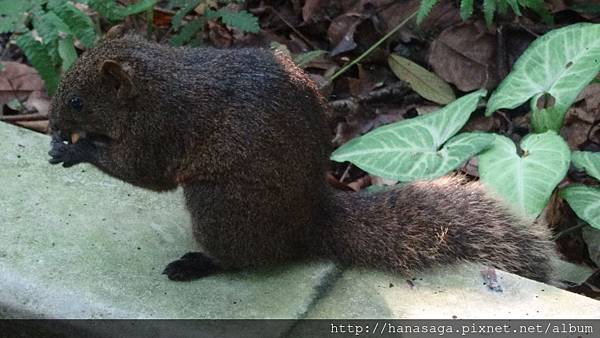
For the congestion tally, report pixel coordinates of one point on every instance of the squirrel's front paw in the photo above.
(192, 265)
(59, 152)
(68, 154)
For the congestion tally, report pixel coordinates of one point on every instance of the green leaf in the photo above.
(425, 9)
(489, 8)
(38, 56)
(302, 60)
(539, 7)
(52, 30)
(67, 52)
(526, 181)
(514, 4)
(546, 119)
(181, 13)
(560, 64)
(410, 149)
(138, 7)
(502, 6)
(112, 11)
(188, 32)
(588, 161)
(280, 48)
(107, 9)
(176, 3)
(422, 81)
(242, 20)
(78, 22)
(13, 14)
(49, 26)
(466, 9)
(585, 201)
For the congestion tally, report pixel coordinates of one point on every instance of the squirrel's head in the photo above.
(95, 96)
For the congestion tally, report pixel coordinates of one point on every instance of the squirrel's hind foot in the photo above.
(191, 266)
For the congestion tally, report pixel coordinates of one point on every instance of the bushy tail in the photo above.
(430, 223)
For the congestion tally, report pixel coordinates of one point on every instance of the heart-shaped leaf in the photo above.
(422, 81)
(545, 119)
(526, 181)
(585, 201)
(588, 161)
(410, 149)
(559, 64)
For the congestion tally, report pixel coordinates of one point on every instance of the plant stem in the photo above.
(372, 48)
(569, 230)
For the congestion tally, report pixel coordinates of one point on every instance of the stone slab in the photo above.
(75, 243)
(455, 292)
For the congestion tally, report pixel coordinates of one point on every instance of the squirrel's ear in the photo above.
(115, 32)
(120, 75)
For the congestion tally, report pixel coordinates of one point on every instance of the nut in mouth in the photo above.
(72, 137)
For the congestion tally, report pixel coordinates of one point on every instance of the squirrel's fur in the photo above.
(244, 132)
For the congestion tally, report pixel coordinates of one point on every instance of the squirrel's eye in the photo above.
(76, 103)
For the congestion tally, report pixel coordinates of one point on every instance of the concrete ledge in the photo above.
(78, 244)
(456, 292)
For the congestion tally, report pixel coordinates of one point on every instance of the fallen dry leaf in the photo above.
(392, 13)
(582, 117)
(22, 82)
(219, 35)
(38, 101)
(464, 55)
(19, 77)
(341, 32)
(312, 9)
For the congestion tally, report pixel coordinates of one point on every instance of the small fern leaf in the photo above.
(489, 8)
(81, 25)
(36, 54)
(138, 7)
(514, 4)
(188, 32)
(177, 19)
(425, 9)
(107, 9)
(52, 30)
(466, 9)
(13, 15)
(48, 26)
(67, 52)
(540, 9)
(114, 12)
(242, 20)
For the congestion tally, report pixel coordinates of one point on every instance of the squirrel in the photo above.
(244, 132)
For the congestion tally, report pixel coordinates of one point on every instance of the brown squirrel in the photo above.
(244, 132)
